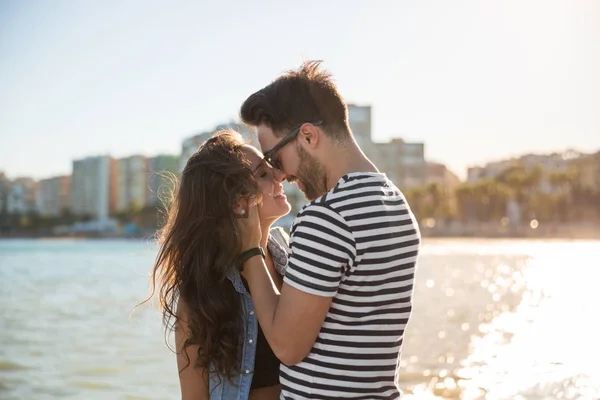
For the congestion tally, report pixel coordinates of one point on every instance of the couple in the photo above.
(320, 317)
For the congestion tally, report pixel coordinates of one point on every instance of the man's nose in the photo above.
(279, 175)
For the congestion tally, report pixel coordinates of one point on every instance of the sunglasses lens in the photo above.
(270, 162)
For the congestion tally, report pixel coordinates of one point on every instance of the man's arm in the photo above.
(290, 321)
(321, 247)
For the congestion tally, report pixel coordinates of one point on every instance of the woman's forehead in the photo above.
(253, 154)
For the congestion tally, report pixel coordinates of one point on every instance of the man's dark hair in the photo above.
(296, 97)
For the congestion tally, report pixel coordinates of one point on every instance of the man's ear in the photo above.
(309, 135)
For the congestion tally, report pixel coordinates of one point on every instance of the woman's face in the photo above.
(274, 202)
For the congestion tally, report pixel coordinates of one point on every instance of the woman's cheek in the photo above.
(265, 188)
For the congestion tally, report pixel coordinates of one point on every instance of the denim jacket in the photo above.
(239, 387)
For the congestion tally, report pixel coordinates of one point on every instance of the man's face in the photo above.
(296, 163)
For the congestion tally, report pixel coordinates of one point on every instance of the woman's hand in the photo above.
(249, 227)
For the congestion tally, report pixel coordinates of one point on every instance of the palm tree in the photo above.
(415, 198)
(465, 201)
(435, 199)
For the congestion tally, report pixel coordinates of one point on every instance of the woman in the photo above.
(221, 352)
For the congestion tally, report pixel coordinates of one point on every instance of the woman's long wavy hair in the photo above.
(198, 246)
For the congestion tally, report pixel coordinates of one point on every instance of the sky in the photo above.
(476, 81)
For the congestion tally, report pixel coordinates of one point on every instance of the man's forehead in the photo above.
(266, 138)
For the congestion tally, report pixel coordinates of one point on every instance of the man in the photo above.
(338, 324)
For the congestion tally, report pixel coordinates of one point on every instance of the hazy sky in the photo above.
(474, 80)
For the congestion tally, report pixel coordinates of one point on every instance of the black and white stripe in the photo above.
(359, 244)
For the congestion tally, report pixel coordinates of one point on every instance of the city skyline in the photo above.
(102, 187)
(463, 175)
(474, 81)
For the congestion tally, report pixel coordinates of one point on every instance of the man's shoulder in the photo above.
(359, 183)
(351, 191)
(319, 217)
(320, 206)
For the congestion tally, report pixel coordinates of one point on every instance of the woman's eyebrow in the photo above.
(260, 166)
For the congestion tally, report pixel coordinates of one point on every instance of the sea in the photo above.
(492, 319)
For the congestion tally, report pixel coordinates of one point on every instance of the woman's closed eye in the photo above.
(262, 172)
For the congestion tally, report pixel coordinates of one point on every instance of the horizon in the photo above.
(462, 176)
(476, 82)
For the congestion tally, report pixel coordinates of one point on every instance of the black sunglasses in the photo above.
(268, 156)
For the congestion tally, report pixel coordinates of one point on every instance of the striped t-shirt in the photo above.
(359, 245)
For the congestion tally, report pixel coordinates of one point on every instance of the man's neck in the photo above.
(348, 159)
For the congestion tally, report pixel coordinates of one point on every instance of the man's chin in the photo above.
(309, 195)
(309, 192)
(301, 186)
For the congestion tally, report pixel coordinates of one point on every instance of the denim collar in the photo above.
(278, 254)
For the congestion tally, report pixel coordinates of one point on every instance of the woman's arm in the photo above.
(193, 381)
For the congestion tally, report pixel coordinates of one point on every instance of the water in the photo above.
(492, 319)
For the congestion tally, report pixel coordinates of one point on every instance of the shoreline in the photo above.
(429, 229)
(424, 235)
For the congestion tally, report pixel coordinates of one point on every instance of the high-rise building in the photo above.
(94, 187)
(359, 119)
(403, 162)
(190, 146)
(132, 178)
(54, 195)
(161, 170)
(4, 188)
(23, 196)
(413, 164)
